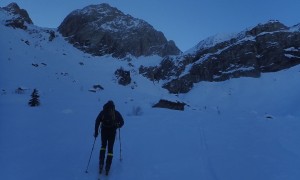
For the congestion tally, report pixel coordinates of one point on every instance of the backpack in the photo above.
(109, 115)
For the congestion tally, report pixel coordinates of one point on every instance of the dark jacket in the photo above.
(109, 118)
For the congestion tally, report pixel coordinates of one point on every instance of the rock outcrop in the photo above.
(169, 105)
(123, 76)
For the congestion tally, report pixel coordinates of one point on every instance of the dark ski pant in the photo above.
(108, 139)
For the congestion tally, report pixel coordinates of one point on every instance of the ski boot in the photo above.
(100, 168)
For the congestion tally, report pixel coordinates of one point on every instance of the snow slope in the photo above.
(241, 129)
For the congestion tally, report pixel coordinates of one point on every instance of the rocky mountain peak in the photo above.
(21, 13)
(103, 16)
(102, 29)
(99, 11)
(270, 26)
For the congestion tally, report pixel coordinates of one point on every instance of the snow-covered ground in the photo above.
(241, 129)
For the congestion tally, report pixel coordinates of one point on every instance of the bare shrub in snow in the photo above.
(136, 111)
(20, 90)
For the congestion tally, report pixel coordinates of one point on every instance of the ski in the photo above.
(100, 176)
(102, 173)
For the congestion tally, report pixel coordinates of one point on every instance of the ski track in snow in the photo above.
(206, 168)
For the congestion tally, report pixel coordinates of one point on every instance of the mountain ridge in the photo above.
(267, 47)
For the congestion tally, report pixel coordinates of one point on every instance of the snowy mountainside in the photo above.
(210, 42)
(295, 27)
(267, 47)
(237, 129)
(56, 62)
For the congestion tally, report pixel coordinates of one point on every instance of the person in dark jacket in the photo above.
(110, 120)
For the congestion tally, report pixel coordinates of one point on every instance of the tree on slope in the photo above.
(34, 101)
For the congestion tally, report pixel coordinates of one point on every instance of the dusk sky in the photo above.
(187, 22)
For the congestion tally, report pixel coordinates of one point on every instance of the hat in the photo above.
(109, 105)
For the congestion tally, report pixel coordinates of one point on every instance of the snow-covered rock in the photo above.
(18, 18)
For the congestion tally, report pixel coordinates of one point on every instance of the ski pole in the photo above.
(86, 171)
(120, 144)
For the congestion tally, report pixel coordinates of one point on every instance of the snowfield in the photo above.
(240, 129)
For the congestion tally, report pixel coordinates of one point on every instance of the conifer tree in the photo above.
(34, 101)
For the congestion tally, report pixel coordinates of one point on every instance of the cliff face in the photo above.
(102, 29)
(267, 47)
(19, 18)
